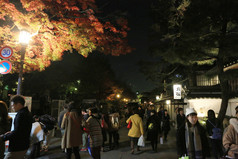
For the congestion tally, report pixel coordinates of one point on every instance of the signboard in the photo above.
(177, 91)
(5, 67)
(6, 52)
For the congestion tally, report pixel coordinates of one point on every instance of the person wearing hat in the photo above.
(193, 140)
(230, 138)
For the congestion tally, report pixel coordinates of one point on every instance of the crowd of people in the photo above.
(88, 130)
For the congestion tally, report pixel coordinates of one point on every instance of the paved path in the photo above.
(165, 151)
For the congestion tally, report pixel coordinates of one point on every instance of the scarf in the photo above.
(193, 142)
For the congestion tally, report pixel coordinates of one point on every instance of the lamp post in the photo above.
(24, 39)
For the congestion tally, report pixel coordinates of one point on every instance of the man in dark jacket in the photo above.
(180, 118)
(19, 138)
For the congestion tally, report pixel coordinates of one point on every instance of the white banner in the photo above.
(177, 91)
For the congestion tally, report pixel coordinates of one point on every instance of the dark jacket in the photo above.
(19, 138)
(182, 143)
(210, 123)
(166, 123)
(155, 129)
(180, 120)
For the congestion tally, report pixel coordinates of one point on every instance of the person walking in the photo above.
(114, 126)
(216, 144)
(141, 112)
(153, 129)
(136, 130)
(37, 135)
(105, 129)
(93, 126)
(73, 132)
(5, 125)
(19, 138)
(48, 123)
(166, 124)
(60, 117)
(230, 137)
(193, 139)
(84, 134)
(181, 119)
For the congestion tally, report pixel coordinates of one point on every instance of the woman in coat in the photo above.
(95, 132)
(192, 137)
(153, 129)
(5, 125)
(37, 135)
(166, 124)
(73, 132)
(230, 138)
(136, 130)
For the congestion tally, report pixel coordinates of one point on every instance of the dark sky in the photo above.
(125, 66)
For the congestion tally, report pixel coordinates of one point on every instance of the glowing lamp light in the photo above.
(157, 97)
(24, 37)
(168, 102)
(201, 114)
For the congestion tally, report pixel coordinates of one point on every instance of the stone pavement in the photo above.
(165, 151)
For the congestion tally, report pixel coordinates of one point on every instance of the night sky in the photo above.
(125, 66)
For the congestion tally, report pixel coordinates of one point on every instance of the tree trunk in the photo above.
(223, 81)
(225, 95)
(225, 98)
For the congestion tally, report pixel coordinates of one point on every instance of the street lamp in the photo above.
(24, 39)
(118, 96)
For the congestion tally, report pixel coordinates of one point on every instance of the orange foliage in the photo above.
(115, 90)
(57, 26)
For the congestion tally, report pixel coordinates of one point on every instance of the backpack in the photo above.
(115, 122)
(48, 121)
(216, 132)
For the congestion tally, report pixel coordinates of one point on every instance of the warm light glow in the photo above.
(24, 37)
(157, 97)
(202, 105)
(125, 100)
(200, 114)
(118, 95)
(167, 101)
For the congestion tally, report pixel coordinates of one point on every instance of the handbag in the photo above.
(216, 132)
(129, 124)
(141, 141)
(104, 124)
(161, 140)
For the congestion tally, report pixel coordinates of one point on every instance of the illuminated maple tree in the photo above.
(57, 26)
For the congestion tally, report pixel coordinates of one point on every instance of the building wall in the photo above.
(202, 105)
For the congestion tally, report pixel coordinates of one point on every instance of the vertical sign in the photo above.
(177, 91)
(5, 53)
